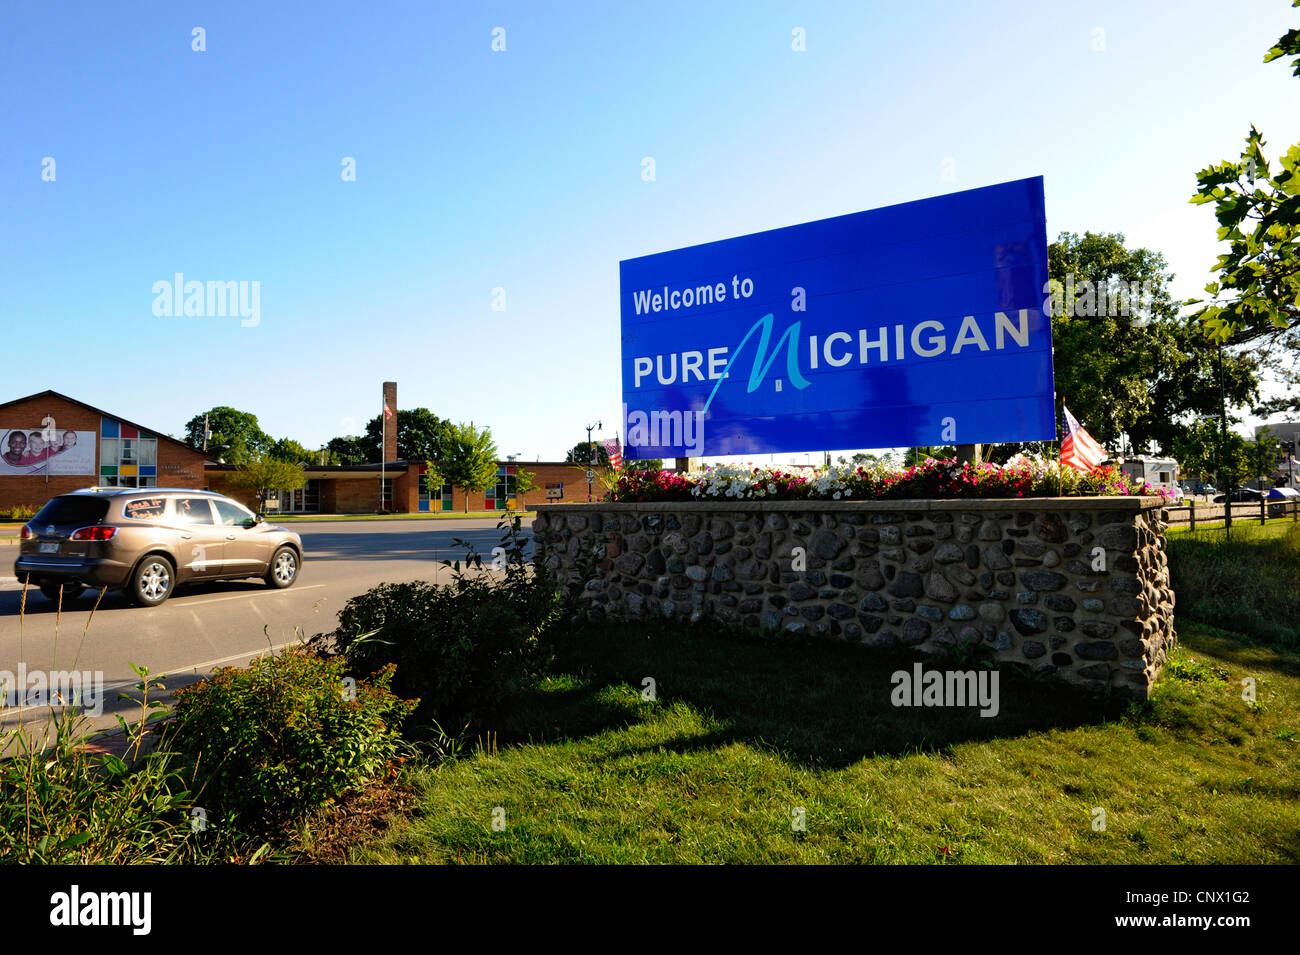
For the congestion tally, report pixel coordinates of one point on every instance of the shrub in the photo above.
(19, 512)
(61, 803)
(285, 735)
(464, 648)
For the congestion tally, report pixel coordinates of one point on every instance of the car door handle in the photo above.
(186, 536)
(230, 537)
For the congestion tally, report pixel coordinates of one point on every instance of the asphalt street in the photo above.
(226, 623)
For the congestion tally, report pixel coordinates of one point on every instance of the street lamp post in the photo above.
(591, 450)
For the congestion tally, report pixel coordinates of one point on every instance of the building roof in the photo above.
(100, 411)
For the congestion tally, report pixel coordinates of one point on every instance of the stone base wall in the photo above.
(1077, 588)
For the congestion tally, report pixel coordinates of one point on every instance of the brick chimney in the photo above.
(390, 424)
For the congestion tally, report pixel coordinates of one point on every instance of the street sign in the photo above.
(591, 476)
(917, 324)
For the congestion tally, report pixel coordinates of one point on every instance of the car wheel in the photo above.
(284, 568)
(71, 591)
(152, 581)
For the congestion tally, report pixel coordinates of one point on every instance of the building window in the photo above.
(128, 457)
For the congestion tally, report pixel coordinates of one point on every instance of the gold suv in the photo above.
(145, 541)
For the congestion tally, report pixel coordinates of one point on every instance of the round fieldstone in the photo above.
(629, 563)
(801, 591)
(869, 576)
(1032, 649)
(961, 612)
(907, 584)
(1028, 622)
(938, 588)
(995, 559)
(872, 602)
(915, 631)
(927, 612)
(947, 553)
(1043, 579)
(1097, 650)
(1125, 605)
(1059, 602)
(827, 545)
(1098, 628)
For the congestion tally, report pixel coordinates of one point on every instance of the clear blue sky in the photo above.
(522, 170)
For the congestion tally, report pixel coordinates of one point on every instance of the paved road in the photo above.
(224, 623)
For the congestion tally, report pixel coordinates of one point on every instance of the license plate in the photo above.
(48, 547)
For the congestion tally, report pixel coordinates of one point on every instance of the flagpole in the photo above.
(383, 449)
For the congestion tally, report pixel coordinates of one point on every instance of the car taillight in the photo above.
(26, 533)
(97, 533)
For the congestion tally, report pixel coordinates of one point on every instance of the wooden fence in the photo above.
(1199, 512)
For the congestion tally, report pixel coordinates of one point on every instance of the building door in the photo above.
(303, 500)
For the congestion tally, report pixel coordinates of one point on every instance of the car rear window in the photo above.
(144, 509)
(72, 509)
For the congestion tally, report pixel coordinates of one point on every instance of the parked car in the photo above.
(146, 541)
(1247, 495)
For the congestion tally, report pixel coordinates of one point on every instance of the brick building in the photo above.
(354, 489)
(51, 444)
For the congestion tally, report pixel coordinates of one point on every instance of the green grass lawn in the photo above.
(1248, 584)
(743, 734)
(1245, 530)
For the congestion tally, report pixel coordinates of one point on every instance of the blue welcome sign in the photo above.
(917, 324)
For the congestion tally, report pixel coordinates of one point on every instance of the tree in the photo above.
(1264, 453)
(236, 437)
(1128, 367)
(525, 481)
(287, 449)
(582, 454)
(914, 456)
(467, 458)
(347, 450)
(1256, 297)
(268, 474)
(1197, 448)
(419, 434)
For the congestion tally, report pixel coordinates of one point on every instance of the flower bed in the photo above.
(930, 480)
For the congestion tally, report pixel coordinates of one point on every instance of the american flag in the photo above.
(387, 411)
(1079, 449)
(615, 453)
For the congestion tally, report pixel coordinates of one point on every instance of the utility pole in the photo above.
(1223, 447)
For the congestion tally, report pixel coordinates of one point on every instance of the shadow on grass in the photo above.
(817, 703)
(1239, 649)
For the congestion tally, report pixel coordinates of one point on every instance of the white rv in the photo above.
(1159, 472)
